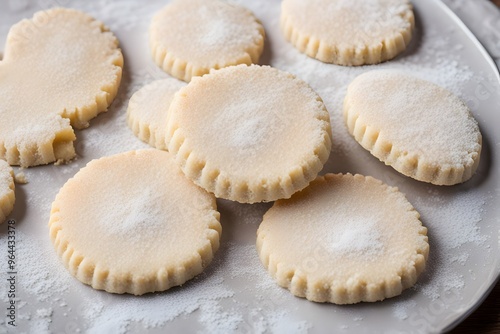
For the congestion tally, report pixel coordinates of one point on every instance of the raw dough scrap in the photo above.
(147, 111)
(190, 37)
(348, 32)
(139, 227)
(60, 69)
(249, 133)
(420, 129)
(7, 196)
(344, 239)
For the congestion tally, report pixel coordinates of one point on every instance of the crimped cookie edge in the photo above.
(7, 202)
(409, 165)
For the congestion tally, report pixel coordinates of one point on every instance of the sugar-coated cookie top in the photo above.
(349, 22)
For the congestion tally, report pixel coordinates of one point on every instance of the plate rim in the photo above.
(496, 71)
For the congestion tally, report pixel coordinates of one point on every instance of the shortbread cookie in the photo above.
(190, 37)
(348, 32)
(60, 69)
(132, 223)
(344, 239)
(420, 129)
(147, 111)
(249, 133)
(7, 196)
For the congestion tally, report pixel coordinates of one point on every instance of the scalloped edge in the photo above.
(297, 282)
(147, 132)
(407, 163)
(217, 182)
(185, 70)
(314, 47)
(59, 147)
(9, 198)
(100, 278)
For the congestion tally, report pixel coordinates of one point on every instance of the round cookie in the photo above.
(190, 37)
(348, 32)
(132, 223)
(147, 111)
(60, 69)
(420, 129)
(7, 196)
(344, 239)
(249, 133)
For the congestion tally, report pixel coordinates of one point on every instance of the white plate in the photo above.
(235, 293)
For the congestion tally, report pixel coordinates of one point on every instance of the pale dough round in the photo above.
(132, 223)
(60, 69)
(147, 111)
(249, 133)
(190, 37)
(344, 239)
(348, 32)
(420, 129)
(7, 195)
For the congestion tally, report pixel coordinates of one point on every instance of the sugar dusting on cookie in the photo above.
(49, 287)
(356, 237)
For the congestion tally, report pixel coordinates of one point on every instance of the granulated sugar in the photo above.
(206, 298)
(455, 223)
(332, 85)
(456, 220)
(356, 237)
(400, 309)
(235, 293)
(150, 311)
(41, 321)
(215, 320)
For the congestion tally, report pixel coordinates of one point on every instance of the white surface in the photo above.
(235, 293)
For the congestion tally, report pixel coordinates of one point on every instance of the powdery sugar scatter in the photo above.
(218, 33)
(208, 299)
(5, 178)
(41, 321)
(215, 319)
(453, 223)
(244, 132)
(144, 217)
